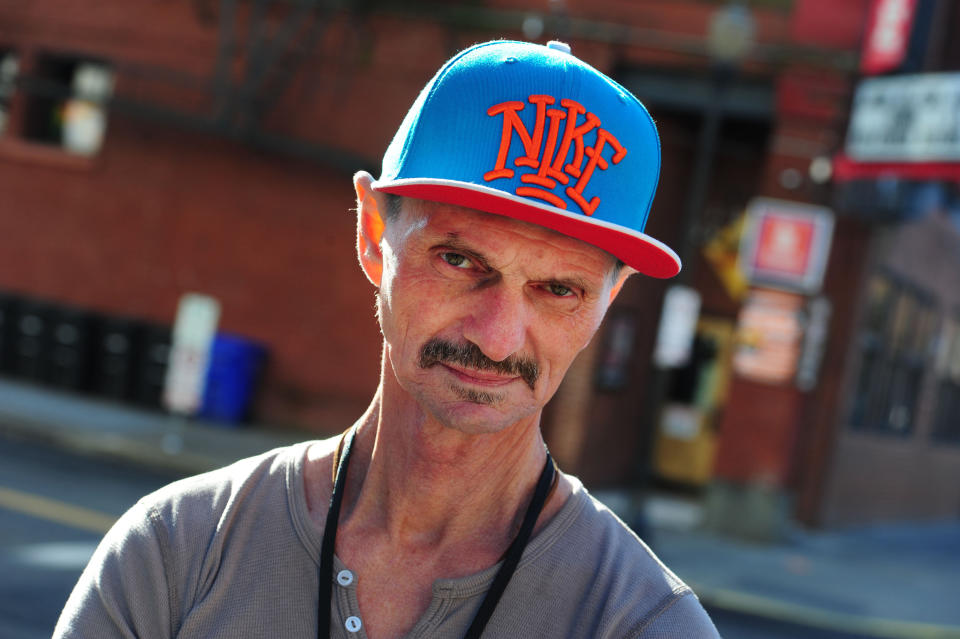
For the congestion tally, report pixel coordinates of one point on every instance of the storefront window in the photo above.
(895, 346)
(66, 103)
(946, 425)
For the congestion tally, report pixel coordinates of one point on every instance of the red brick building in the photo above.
(232, 132)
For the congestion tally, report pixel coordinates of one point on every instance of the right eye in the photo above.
(457, 260)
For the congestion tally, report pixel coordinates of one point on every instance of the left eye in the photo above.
(456, 259)
(560, 290)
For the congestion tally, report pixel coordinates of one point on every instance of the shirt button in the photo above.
(353, 624)
(344, 577)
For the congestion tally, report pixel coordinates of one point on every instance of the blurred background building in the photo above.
(153, 148)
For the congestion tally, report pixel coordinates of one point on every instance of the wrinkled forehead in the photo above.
(441, 218)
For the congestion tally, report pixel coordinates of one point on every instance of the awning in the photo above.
(846, 170)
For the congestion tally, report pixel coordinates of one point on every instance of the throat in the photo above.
(397, 574)
(425, 477)
(447, 522)
(426, 511)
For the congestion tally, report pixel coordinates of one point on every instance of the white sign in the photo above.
(786, 244)
(193, 333)
(906, 118)
(678, 326)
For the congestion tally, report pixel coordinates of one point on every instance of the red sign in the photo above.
(784, 244)
(888, 35)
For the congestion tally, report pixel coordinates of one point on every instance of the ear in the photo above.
(625, 273)
(370, 224)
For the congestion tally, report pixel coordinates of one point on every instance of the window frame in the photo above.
(945, 427)
(895, 344)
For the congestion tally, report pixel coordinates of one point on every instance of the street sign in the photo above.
(786, 244)
(887, 38)
(193, 333)
(906, 118)
(678, 325)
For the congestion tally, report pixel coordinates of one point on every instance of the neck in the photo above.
(422, 484)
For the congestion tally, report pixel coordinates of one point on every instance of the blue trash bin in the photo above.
(232, 378)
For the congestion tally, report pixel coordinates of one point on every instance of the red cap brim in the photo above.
(637, 250)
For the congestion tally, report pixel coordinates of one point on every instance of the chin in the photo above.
(467, 408)
(477, 418)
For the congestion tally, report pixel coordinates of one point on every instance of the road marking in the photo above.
(57, 511)
(64, 555)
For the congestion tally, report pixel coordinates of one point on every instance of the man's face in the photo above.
(482, 315)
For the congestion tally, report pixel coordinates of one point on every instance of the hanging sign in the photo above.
(906, 118)
(786, 244)
(769, 334)
(722, 252)
(888, 35)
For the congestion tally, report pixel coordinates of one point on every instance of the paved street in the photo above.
(735, 625)
(54, 507)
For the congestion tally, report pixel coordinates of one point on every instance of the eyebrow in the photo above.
(452, 240)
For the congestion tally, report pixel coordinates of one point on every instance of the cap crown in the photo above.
(538, 127)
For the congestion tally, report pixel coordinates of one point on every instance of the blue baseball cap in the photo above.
(533, 133)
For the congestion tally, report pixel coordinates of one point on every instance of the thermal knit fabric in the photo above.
(233, 553)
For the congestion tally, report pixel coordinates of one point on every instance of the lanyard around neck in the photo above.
(499, 585)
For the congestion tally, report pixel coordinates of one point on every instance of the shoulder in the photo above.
(617, 549)
(194, 518)
(637, 593)
(167, 552)
(210, 494)
(202, 523)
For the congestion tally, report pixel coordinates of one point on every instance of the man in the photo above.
(508, 214)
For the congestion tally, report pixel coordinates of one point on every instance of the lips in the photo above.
(482, 378)
(469, 363)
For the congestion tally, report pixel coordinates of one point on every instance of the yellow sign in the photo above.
(722, 253)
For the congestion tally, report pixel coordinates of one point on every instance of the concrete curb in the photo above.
(149, 453)
(799, 614)
(159, 442)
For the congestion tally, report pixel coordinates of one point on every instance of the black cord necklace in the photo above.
(499, 585)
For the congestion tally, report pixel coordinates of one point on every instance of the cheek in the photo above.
(565, 339)
(413, 308)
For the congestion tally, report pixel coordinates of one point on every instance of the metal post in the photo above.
(707, 141)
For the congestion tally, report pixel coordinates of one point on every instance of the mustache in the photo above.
(469, 355)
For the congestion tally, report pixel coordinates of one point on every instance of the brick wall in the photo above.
(161, 212)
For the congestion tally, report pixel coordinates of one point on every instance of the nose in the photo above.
(497, 323)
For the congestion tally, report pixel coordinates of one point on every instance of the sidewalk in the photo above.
(97, 427)
(897, 581)
(893, 581)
